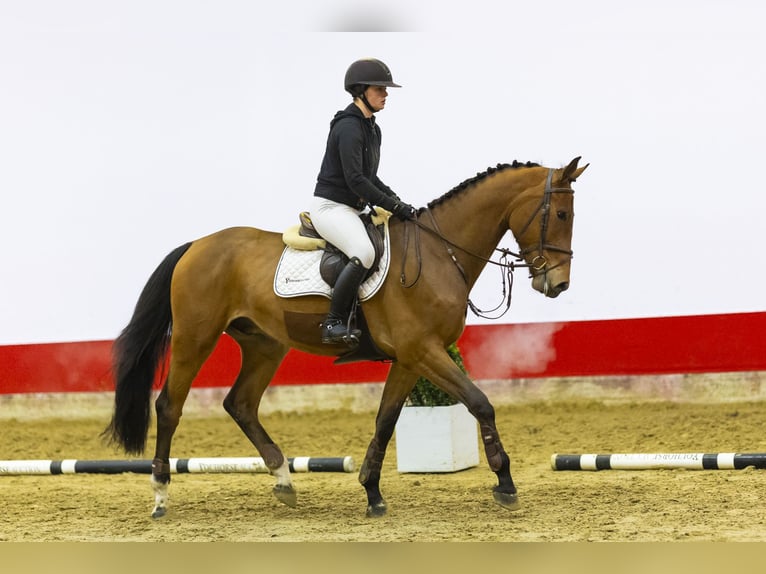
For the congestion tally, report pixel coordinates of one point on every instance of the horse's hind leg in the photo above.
(261, 356)
(187, 356)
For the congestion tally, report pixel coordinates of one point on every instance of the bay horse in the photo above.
(224, 283)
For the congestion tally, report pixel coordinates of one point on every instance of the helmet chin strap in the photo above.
(372, 110)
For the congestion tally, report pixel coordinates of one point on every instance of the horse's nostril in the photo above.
(563, 286)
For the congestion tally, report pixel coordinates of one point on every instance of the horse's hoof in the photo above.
(286, 495)
(507, 500)
(159, 512)
(377, 510)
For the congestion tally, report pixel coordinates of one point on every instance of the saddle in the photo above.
(309, 273)
(305, 237)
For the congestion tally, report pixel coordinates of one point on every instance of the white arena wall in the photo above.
(129, 130)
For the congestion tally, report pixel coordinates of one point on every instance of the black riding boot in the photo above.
(335, 328)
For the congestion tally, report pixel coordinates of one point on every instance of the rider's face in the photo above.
(376, 95)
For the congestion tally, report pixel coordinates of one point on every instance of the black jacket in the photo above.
(349, 168)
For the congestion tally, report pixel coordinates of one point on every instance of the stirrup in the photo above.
(334, 332)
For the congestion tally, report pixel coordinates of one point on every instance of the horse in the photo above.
(223, 283)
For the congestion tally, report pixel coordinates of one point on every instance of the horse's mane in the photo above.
(478, 177)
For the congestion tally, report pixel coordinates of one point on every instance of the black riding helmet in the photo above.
(367, 72)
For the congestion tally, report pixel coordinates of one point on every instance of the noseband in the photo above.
(538, 266)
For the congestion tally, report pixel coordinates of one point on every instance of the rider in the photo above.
(347, 183)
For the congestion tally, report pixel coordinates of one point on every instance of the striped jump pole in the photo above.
(177, 465)
(649, 461)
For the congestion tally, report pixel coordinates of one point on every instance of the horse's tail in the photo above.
(136, 355)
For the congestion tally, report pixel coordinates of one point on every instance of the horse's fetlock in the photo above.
(161, 471)
(272, 456)
(369, 471)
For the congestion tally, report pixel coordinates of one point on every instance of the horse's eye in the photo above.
(562, 215)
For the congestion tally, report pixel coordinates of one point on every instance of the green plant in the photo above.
(426, 394)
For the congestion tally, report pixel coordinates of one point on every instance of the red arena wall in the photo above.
(688, 344)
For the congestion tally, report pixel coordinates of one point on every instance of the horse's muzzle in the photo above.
(557, 289)
(549, 286)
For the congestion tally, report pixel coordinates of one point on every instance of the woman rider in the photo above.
(347, 183)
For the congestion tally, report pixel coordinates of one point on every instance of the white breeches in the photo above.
(340, 225)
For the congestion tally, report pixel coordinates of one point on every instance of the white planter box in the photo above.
(436, 439)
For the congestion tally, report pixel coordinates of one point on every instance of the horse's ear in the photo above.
(572, 172)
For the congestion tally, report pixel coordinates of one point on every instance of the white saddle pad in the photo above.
(298, 274)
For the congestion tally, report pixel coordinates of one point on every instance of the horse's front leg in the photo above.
(398, 385)
(441, 370)
(504, 493)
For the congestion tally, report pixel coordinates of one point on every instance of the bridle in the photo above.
(537, 266)
(539, 263)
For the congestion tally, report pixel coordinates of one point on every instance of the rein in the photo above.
(538, 266)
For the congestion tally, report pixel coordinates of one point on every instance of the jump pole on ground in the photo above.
(177, 465)
(649, 461)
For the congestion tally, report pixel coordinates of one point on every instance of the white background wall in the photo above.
(129, 128)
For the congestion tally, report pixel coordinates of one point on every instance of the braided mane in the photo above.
(478, 177)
